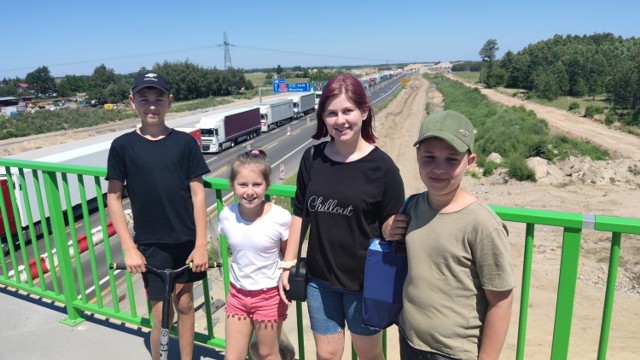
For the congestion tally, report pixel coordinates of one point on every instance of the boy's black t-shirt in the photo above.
(157, 175)
(347, 204)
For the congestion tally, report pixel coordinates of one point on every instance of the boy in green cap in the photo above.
(457, 296)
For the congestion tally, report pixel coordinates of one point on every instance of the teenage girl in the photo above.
(257, 233)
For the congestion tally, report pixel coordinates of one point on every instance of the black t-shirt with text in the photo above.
(347, 203)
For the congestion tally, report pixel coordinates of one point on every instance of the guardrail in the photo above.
(48, 189)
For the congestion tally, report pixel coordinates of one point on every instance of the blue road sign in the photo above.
(279, 85)
(299, 87)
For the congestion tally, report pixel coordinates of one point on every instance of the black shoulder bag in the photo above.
(298, 274)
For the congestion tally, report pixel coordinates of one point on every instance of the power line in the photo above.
(227, 58)
(227, 53)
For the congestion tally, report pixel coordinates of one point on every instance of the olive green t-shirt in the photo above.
(452, 257)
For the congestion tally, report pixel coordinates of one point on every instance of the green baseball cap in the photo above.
(449, 126)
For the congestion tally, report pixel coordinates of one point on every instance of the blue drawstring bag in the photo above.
(384, 275)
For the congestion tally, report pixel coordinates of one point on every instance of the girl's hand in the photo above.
(283, 285)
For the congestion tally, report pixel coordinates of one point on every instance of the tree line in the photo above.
(571, 65)
(188, 81)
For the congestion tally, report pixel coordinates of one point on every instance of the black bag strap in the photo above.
(305, 216)
(403, 210)
(401, 244)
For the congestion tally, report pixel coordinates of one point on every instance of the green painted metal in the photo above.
(566, 292)
(36, 251)
(23, 246)
(607, 311)
(74, 238)
(52, 192)
(10, 241)
(524, 295)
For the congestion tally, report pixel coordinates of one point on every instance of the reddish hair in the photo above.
(354, 91)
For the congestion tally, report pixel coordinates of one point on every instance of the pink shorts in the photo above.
(260, 305)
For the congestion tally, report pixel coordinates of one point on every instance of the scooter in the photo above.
(167, 277)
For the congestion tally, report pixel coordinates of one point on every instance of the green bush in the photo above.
(574, 106)
(592, 110)
(518, 169)
(489, 168)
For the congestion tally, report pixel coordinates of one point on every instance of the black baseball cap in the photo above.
(150, 79)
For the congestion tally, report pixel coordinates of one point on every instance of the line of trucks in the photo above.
(224, 130)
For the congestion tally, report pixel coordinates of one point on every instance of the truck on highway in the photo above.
(318, 94)
(303, 104)
(195, 132)
(275, 113)
(224, 130)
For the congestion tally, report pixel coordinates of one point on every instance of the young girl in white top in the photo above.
(257, 233)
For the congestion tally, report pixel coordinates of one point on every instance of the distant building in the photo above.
(22, 87)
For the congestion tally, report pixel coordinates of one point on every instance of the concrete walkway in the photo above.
(32, 330)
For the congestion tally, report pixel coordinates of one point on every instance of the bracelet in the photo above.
(287, 264)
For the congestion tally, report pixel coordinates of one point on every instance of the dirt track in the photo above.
(619, 144)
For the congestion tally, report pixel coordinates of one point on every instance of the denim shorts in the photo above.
(330, 308)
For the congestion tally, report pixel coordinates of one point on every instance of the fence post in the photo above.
(566, 292)
(54, 205)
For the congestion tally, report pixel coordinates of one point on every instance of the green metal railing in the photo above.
(52, 269)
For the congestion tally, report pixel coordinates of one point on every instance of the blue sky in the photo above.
(73, 37)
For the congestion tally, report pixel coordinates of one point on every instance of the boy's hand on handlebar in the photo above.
(398, 228)
(199, 258)
(135, 261)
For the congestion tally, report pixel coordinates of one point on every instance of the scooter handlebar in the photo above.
(122, 266)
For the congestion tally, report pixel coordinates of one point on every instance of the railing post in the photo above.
(566, 292)
(52, 192)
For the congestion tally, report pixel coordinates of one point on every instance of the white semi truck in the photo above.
(275, 113)
(303, 104)
(224, 130)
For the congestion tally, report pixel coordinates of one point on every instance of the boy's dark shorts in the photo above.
(167, 256)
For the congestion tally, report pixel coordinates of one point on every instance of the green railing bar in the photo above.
(105, 240)
(87, 228)
(73, 235)
(18, 222)
(524, 293)
(207, 306)
(566, 292)
(23, 243)
(53, 167)
(34, 240)
(131, 294)
(7, 229)
(617, 224)
(610, 293)
(540, 217)
(52, 192)
(47, 241)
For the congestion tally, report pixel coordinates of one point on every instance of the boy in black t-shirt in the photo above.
(162, 169)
